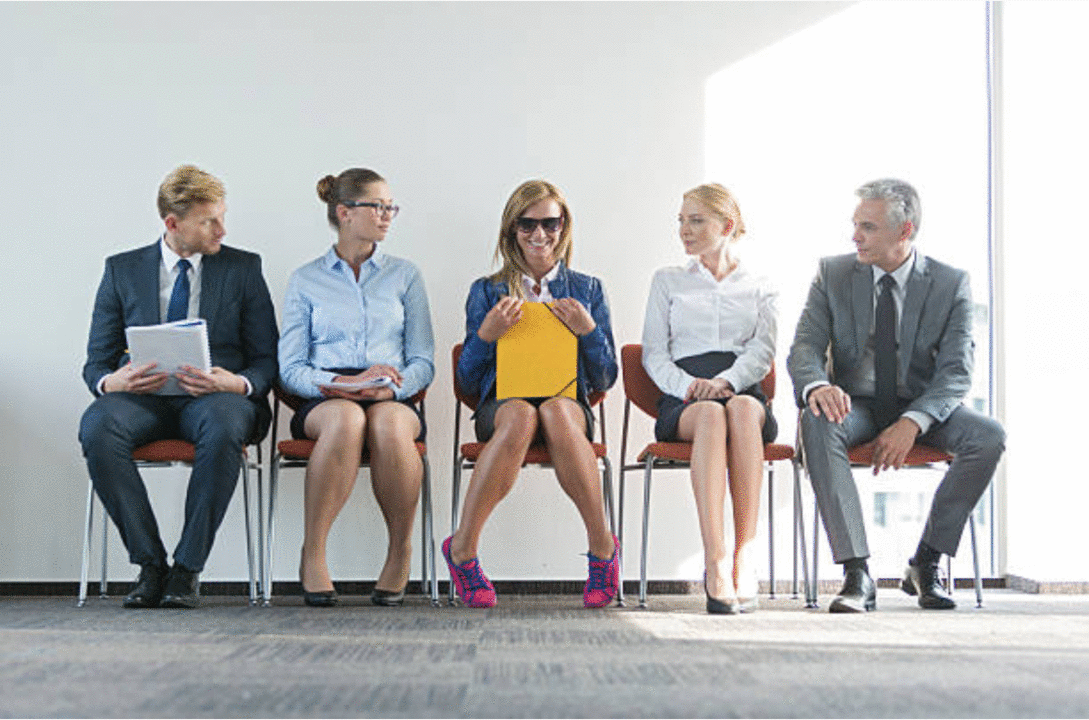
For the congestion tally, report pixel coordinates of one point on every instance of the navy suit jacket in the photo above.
(234, 300)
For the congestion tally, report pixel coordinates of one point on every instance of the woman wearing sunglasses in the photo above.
(535, 248)
(708, 341)
(357, 342)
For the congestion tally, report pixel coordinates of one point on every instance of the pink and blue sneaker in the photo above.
(603, 583)
(473, 587)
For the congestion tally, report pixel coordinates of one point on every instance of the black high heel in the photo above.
(327, 598)
(720, 607)
(388, 598)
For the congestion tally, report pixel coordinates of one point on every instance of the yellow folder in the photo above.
(537, 357)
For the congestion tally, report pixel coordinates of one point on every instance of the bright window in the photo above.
(882, 89)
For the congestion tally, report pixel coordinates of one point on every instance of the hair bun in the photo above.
(325, 189)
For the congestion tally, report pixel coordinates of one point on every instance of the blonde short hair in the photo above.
(721, 202)
(525, 195)
(186, 186)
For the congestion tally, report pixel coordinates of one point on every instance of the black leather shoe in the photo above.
(147, 591)
(858, 594)
(924, 582)
(326, 598)
(182, 589)
(388, 598)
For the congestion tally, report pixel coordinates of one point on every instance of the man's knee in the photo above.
(225, 418)
(100, 428)
(818, 428)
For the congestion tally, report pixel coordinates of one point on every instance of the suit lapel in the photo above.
(862, 304)
(146, 286)
(211, 286)
(918, 286)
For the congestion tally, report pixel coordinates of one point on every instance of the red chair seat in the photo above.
(165, 451)
(918, 455)
(682, 452)
(536, 455)
(303, 449)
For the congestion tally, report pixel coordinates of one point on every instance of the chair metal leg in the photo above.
(816, 550)
(455, 499)
(794, 535)
(273, 479)
(975, 561)
(771, 531)
(648, 464)
(799, 534)
(620, 530)
(103, 579)
(88, 531)
(249, 529)
(610, 509)
(431, 579)
(262, 570)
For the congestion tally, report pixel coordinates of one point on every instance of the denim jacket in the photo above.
(597, 353)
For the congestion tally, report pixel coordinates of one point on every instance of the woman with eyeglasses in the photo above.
(708, 341)
(357, 342)
(535, 248)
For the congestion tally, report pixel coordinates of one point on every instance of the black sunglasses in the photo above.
(550, 224)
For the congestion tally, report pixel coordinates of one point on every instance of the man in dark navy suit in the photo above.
(187, 273)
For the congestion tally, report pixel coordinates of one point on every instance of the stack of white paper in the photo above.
(170, 346)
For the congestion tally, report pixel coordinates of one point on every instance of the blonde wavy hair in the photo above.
(514, 265)
(721, 202)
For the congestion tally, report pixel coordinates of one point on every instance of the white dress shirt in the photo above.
(689, 312)
(168, 275)
(545, 295)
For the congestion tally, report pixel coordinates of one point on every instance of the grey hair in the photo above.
(900, 198)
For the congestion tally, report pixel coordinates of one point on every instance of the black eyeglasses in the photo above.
(549, 224)
(379, 208)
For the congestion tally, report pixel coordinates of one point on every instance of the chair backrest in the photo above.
(641, 390)
(471, 401)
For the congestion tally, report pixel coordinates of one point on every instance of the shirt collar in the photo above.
(900, 274)
(695, 266)
(377, 257)
(171, 258)
(551, 275)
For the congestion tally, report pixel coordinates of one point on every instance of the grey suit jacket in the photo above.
(234, 299)
(935, 346)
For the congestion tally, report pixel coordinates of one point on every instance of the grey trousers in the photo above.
(975, 441)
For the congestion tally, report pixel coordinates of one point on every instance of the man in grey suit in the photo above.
(186, 273)
(883, 352)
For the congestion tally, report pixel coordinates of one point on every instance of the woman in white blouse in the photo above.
(708, 341)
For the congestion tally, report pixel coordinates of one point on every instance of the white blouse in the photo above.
(689, 313)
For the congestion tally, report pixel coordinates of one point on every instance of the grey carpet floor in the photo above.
(545, 656)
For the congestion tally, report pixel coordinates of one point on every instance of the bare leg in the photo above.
(396, 475)
(704, 425)
(494, 474)
(338, 427)
(573, 458)
(745, 458)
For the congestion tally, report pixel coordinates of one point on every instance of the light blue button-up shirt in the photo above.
(331, 320)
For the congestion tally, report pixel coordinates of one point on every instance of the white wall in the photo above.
(456, 103)
(1042, 279)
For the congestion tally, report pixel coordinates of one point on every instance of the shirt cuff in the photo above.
(921, 419)
(811, 387)
(249, 385)
(100, 386)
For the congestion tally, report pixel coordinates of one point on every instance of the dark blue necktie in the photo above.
(178, 309)
(885, 355)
